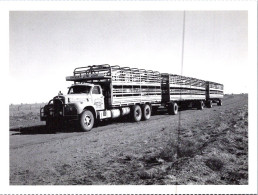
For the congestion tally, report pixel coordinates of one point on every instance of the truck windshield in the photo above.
(79, 89)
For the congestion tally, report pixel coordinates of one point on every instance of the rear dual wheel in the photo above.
(146, 112)
(136, 113)
(209, 104)
(200, 105)
(141, 112)
(173, 108)
(219, 103)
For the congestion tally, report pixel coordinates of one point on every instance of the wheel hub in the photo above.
(137, 113)
(147, 111)
(87, 120)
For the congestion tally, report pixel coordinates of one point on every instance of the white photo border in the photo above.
(250, 6)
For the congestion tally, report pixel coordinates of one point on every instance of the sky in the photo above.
(45, 47)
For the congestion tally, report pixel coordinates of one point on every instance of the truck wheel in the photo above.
(219, 103)
(146, 112)
(137, 113)
(86, 120)
(209, 104)
(173, 108)
(200, 105)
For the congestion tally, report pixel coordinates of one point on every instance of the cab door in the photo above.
(98, 98)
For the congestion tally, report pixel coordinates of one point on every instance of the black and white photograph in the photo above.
(131, 96)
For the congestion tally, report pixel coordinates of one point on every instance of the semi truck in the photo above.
(103, 92)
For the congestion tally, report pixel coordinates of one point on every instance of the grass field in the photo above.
(24, 115)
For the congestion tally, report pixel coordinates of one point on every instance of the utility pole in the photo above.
(179, 116)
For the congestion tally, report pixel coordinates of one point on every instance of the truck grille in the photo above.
(58, 106)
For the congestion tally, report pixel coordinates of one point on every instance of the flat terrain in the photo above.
(207, 146)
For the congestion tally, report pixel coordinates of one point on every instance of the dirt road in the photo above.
(195, 147)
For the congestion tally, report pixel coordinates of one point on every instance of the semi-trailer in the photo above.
(102, 92)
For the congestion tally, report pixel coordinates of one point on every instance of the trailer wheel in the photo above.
(219, 103)
(209, 104)
(146, 112)
(137, 113)
(173, 108)
(86, 120)
(200, 105)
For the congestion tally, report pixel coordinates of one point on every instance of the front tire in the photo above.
(86, 120)
(173, 108)
(137, 113)
(219, 103)
(146, 110)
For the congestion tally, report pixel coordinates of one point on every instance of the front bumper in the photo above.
(66, 112)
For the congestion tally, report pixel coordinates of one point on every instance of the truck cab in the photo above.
(80, 97)
(86, 93)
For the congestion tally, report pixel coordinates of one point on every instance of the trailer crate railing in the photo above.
(132, 85)
(99, 73)
(134, 76)
(179, 88)
(127, 85)
(214, 90)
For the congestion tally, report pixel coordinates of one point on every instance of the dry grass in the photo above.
(216, 155)
(25, 115)
(214, 163)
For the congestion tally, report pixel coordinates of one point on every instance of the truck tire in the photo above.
(200, 105)
(86, 120)
(209, 104)
(146, 112)
(136, 113)
(173, 108)
(219, 103)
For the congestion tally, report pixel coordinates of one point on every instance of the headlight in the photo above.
(70, 109)
(49, 110)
